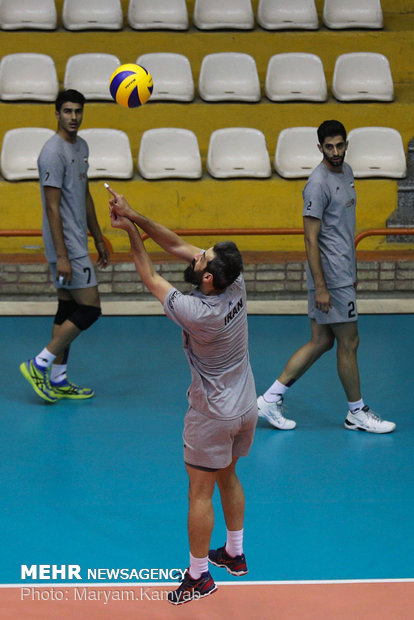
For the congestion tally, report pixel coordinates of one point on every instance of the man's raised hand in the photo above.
(118, 204)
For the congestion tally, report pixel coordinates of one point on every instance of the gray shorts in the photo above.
(213, 443)
(83, 274)
(343, 310)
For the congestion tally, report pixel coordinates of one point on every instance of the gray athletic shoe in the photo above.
(367, 420)
(273, 413)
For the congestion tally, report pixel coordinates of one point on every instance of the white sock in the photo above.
(275, 392)
(58, 373)
(45, 358)
(356, 406)
(234, 543)
(198, 566)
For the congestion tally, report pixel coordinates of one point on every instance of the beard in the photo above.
(335, 162)
(191, 276)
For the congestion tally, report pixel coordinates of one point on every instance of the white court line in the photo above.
(132, 308)
(153, 584)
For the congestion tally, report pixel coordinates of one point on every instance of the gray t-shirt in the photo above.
(331, 198)
(65, 165)
(215, 340)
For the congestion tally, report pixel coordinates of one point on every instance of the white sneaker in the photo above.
(273, 413)
(367, 420)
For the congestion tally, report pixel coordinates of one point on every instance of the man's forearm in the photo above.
(315, 264)
(142, 261)
(159, 233)
(312, 229)
(56, 231)
(92, 220)
(155, 283)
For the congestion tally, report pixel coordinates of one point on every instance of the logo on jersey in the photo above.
(230, 315)
(352, 184)
(173, 299)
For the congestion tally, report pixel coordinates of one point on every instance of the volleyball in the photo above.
(131, 85)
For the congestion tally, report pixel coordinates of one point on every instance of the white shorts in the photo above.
(211, 443)
(83, 274)
(343, 310)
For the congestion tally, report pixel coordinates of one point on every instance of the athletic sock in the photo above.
(44, 359)
(234, 543)
(58, 373)
(198, 566)
(275, 392)
(356, 406)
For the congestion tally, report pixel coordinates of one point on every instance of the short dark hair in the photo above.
(330, 128)
(69, 95)
(226, 266)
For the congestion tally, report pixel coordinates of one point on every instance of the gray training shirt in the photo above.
(215, 341)
(65, 165)
(331, 198)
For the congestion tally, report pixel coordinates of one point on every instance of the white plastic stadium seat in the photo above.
(282, 15)
(171, 74)
(338, 14)
(90, 74)
(92, 15)
(109, 153)
(376, 152)
(238, 152)
(158, 14)
(169, 152)
(18, 14)
(229, 76)
(362, 76)
(20, 150)
(295, 76)
(219, 14)
(28, 76)
(297, 152)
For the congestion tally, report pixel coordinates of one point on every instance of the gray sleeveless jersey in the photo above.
(331, 198)
(215, 341)
(65, 165)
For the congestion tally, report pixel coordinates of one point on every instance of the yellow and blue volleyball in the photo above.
(131, 85)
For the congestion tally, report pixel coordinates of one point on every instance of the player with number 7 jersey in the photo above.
(68, 214)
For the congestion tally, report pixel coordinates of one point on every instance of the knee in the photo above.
(350, 345)
(66, 307)
(353, 343)
(324, 344)
(198, 496)
(85, 316)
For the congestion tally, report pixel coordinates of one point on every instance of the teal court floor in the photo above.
(101, 483)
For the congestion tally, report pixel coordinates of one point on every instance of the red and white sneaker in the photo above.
(235, 566)
(192, 589)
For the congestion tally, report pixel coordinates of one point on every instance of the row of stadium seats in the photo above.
(226, 76)
(173, 14)
(233, 152)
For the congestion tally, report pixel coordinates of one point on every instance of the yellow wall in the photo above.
(244, 203)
